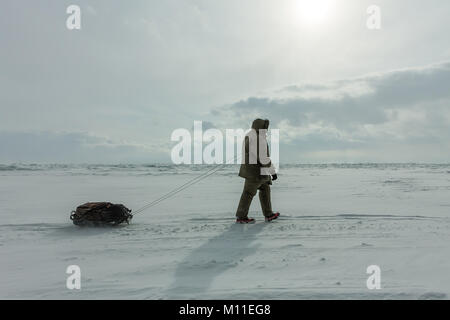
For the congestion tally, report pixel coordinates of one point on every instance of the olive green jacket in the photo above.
(253, 165)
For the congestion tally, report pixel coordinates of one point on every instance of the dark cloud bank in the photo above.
(398, 116)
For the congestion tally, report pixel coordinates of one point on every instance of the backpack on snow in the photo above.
(100, 213)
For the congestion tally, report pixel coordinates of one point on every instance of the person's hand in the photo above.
(274, 177)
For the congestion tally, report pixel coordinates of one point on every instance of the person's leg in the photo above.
(264, 199)
(250, 189)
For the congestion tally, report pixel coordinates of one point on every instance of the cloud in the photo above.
(408, 109)
(73, 147)
(397, 116)
(137, 72)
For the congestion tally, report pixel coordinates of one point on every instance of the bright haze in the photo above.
(137, 70)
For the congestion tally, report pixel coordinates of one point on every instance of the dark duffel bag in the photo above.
(100, 213)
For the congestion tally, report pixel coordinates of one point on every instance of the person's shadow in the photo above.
(194, 275)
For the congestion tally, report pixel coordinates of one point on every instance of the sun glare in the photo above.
(313, 12)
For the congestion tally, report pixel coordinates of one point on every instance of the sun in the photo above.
(313, 12)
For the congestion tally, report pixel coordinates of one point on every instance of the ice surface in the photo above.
(336, 221)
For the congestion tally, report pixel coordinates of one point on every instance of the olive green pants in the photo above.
(250, 189)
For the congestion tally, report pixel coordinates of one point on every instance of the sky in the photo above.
(115, 90)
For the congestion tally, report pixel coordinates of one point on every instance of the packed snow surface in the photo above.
(336, 221)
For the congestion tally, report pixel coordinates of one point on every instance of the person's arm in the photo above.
(251, 150)
(267, 168)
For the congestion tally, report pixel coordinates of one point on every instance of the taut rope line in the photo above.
(184, 186)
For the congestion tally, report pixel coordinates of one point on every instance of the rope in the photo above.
(184, 186)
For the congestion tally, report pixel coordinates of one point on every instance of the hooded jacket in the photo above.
(255, 164)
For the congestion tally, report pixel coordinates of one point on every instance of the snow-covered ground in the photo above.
(336, 221)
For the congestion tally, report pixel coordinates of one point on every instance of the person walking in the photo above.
(258, 171)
